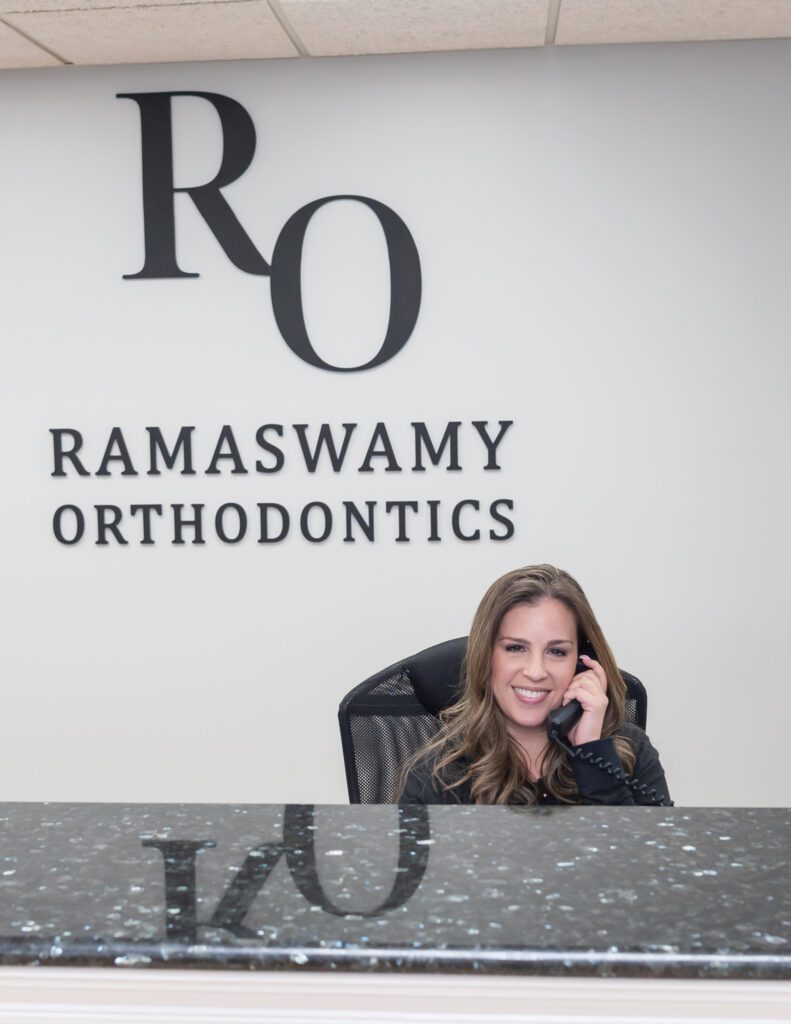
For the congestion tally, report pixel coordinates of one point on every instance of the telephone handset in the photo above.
(562, 720)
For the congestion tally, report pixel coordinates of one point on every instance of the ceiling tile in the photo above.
(654, 21)
(27, 6)
(124, 35)
(18, 52)
(332, 27)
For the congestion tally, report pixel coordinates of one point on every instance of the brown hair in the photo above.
(473, 745)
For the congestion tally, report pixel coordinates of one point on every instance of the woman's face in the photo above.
(534, 658)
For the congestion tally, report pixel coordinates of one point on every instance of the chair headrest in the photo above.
(435, 674)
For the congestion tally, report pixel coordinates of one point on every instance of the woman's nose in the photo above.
(533, 667)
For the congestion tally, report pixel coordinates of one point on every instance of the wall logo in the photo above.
(285, 269)
(275, 509)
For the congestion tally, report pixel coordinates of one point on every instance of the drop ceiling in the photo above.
(51, 33)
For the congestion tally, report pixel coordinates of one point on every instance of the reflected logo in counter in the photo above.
(299, 850)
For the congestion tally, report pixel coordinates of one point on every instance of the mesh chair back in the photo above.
(389, 716)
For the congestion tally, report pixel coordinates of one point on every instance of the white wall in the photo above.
(604, 243)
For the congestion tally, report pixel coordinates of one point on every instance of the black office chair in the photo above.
(392, 714)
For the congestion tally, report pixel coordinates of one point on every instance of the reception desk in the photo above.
(178, 912)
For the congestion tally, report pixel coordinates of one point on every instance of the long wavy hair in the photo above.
(473, 744)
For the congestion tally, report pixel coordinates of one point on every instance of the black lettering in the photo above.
(159, 222)
(353, 513)
(226, 438)
(456, 520)
(219, 522)
(386, 451)
(156, 444)
(423, 439)
(298, 845)
(432, 509)
(246, 885)
(401, 506)
(181, 917)
(325, 440)
(262, 442)
(264, 507)
(491, 446)
(506, 522)
(146, 510)
(179, 523)
(79, 524)
(103, 525)
(304, 521)
(116, 440)
(60, 453)
(414, 834)
(286, 281)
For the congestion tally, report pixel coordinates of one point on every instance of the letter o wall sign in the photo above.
(285, 270)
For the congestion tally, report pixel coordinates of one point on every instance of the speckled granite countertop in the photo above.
(634, 891)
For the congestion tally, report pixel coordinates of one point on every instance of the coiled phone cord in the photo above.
(598, 761)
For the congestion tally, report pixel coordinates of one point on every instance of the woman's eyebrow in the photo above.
(523, 640)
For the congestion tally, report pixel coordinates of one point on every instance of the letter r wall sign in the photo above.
(285, 269)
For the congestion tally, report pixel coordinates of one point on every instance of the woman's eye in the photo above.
(558, 652)
(514, 648)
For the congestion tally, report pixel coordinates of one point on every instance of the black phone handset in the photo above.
(563, 719)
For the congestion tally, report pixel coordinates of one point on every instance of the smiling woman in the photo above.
(535, 646)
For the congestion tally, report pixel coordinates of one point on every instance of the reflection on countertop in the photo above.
(633, 891)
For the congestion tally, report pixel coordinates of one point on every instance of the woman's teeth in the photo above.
(530, 694)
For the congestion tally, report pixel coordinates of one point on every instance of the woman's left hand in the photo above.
(590, 689)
